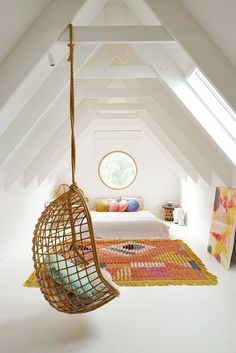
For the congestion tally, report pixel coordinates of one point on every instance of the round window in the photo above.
(117, 170)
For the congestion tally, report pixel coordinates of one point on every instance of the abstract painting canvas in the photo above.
(223, 225)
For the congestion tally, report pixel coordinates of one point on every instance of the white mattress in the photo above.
(137, 225)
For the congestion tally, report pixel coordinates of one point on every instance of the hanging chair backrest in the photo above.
(65, 257)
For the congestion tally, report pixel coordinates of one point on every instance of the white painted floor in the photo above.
(143, 320)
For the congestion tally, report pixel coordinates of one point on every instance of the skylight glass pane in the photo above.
(222, 112)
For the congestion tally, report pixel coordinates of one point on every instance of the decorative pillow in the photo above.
(138, 198)
(123, 204)
(102, 206)
(114, 206)
(133, 206)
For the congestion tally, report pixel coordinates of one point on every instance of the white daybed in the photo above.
(136, 225)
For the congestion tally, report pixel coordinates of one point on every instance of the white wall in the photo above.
(156, 180)
(19, 211)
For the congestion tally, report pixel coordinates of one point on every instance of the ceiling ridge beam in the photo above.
(207, 56)
(35, 43)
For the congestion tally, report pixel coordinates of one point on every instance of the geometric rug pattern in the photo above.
(146, 263)
(152, 262)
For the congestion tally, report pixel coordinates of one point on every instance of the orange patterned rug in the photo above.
(148, 263)
(152, 262)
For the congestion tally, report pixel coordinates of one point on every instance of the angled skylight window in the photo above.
(212, 112)
(222, 112)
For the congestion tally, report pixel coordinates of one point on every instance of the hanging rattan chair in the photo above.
(64, 249)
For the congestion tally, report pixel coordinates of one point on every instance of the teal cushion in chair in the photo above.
(69, 275)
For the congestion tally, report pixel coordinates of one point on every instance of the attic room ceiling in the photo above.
(127, 77)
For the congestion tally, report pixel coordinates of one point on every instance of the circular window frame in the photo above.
(118, 151)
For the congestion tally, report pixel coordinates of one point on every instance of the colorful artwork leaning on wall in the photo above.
(223, 225)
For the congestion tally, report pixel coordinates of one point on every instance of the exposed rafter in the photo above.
(91, 104)
(132, 71)
(118, 34)
(44, 97)
(112, 92)
(37, 139)
(177, 138)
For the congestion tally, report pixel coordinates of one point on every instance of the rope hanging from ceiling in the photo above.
(64, 249)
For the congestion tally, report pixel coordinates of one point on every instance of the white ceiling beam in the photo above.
(31, 84)
(44, 97)
(35, 43)
(117, 34)
(186, 151)
(127, 71)
(62, 150)
(179, 111)
(91, 104)
(113, 93)
(54, 149)
(207, 56)
(35, 141)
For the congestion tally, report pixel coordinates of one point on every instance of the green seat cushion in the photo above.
(69, 275)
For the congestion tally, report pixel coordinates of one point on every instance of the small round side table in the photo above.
(169, 212)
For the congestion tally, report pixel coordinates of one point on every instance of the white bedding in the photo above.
(137, 225)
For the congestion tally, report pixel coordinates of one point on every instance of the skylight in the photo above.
(216, 104)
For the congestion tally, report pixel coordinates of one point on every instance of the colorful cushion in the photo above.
(138, 198)
(102, 206)
(68, 275)
(114, 206)
(123, 204)
(133, 206)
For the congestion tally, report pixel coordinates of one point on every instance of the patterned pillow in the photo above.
(114, 206)
(102, 206)
(123, 204)
(133, 206)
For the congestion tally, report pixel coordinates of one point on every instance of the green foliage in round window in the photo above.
(117, 170)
